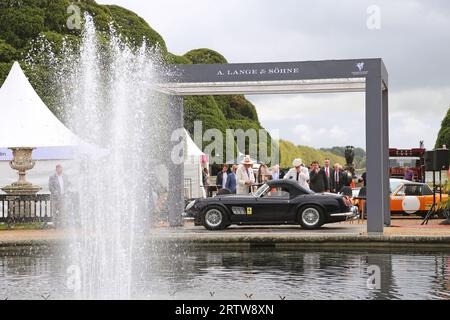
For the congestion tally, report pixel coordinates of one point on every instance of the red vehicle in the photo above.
(400, 159)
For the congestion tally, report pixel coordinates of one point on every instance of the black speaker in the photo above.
(441, 157)
(429, 161)
(437, 160)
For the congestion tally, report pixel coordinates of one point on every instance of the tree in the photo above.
(444, 133)
(230, 111)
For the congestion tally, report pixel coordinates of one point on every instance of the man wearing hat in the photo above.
(299, 173)
(245, 176)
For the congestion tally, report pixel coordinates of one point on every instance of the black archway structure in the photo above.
(358, 75)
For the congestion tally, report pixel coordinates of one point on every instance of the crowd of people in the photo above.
(320, 178)
(241, 179)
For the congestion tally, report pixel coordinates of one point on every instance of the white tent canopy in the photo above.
(192, 149)
(26, 120)
(193, 169)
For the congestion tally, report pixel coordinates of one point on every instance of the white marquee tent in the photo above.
(25, 121)
(193, 170)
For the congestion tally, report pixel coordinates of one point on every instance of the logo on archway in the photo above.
(361, 72)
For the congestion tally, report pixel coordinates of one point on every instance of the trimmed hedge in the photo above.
(135, 28)
(205, 56)
(23, 21)
(232, 111)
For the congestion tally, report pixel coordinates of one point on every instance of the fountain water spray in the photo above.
(107, 92)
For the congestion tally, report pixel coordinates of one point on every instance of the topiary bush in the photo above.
(205, 56)
(236, 111)
(135, 28)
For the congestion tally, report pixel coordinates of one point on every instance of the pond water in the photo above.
(256, 273)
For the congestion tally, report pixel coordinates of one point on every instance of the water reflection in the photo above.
(262, 273)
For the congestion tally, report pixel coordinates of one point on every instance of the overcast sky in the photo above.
(413, 39)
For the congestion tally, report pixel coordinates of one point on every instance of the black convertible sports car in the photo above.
(276, 202)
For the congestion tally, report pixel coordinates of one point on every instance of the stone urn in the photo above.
(22, 161)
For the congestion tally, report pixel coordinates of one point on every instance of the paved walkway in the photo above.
(402, 231)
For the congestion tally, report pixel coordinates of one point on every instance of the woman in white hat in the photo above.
(245, 176)
(298, 173)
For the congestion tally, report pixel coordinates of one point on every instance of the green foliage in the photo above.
(205, 109)
(243, 107)
(444, 133)
(135, 28)
(236, 112)
(4, 70)
(289, 151)
(205, 56)
(23, 21)
(7, 52)
(174, 59)
(237, 107)
(20, 22)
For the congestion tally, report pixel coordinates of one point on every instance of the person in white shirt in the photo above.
(298, 173)
(221, 181)
(276, 172)
(245, 176)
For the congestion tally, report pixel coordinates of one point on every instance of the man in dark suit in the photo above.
(222, 177)
(338, 179)
(231, 179)
(58, 185)
(328, 172)
(318, 180)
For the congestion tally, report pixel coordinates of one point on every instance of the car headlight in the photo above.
(190, 205)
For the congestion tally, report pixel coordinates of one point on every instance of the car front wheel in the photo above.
(311, 217)
(215, 219)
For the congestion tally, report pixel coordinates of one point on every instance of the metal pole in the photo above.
(377, 154)
(434, 187)
(387, 196)
(176, 171)
(440, 186)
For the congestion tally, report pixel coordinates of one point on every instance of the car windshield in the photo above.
(261, 190)
(394, 184)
